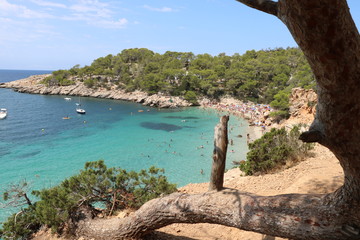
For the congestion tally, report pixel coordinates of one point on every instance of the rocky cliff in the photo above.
(302, 105)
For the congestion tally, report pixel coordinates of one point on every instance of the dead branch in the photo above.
(219, 154)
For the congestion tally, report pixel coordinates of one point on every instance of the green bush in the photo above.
(281, 105)
(89, 82)
(274, 150)
(279, 115)
(190, 96)
(96, 186)
(66, 82)
(46, 80)
(20, 225)
(58, 78)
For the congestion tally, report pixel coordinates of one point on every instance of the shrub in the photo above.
(96, 186)
(149, 185)
(58, 78)
(20, 225)
(281, 104)
(279, 115)
(190, 96)
(66, 82)
(274, 150)
(46, 80)
(89, 82)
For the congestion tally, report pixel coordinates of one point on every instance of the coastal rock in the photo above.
(33, 85)
(303, 104)
(302, 99)
(162, 101)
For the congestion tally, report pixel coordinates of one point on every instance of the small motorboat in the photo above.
(67, 99)
(3, 113)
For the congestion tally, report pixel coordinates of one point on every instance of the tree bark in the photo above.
(330, 41)
(293, 216)
(326, 33)
(219, 154)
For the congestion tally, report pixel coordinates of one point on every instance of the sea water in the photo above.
(39, 146)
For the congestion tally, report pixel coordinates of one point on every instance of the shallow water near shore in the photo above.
(38, 145)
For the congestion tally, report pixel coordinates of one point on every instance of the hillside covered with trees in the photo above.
(264, 76)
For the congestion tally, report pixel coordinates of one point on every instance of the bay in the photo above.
(39, 146)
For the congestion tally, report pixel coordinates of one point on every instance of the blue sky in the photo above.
(51, 35)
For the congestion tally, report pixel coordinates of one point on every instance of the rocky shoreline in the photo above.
(258, 115)
(32, 85)
(258, 118)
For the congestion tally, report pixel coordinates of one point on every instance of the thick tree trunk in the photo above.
(329, 39)
(219, 154)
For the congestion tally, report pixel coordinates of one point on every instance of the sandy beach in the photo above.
(256, 115)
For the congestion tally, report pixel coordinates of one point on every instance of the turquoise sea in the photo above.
(39, 146)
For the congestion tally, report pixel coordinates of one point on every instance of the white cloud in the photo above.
(92, 12)
(22, 32)
(28, 13)
(163, 9)
(95, 13)
(92, 7)
(121, 23)
(8, 9)
(48, 4)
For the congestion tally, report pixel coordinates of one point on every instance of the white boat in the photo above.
(67, 99)
(3, 113)
(79, 109)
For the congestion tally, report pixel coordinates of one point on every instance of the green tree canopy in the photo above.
(256, 75)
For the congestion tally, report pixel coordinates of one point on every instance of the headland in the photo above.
(256, 114)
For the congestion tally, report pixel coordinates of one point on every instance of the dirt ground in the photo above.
(318, 174)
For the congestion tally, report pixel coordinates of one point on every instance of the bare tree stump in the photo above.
(219, 154)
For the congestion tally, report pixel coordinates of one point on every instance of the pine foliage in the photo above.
(256, 75)
(96, 187)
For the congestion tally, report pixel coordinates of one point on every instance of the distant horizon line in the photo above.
(7, 69)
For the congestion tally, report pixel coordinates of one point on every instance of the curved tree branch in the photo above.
(293, 216)
(267, 6)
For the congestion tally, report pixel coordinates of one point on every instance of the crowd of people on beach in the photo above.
(256, 114)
